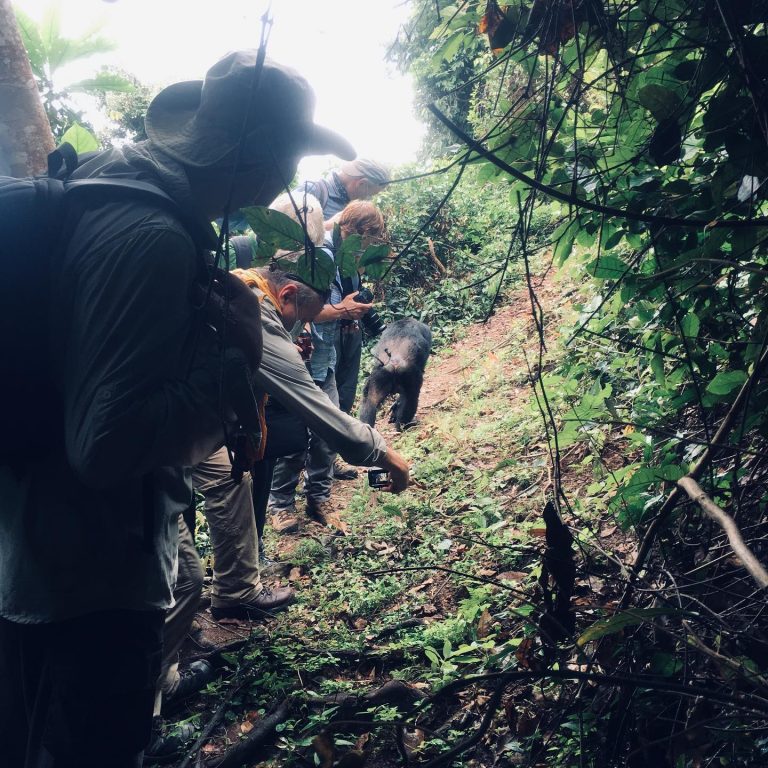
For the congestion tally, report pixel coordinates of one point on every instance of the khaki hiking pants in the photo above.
(232, 528)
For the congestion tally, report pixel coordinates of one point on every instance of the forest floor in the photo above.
(423, 588)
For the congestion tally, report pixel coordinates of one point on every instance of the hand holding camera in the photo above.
(393, 475)
(372, 323)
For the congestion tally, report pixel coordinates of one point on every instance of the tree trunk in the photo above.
(25, 134)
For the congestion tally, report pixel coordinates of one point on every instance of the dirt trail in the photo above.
(447, 375)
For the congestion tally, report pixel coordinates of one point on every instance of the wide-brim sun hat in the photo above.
(202, 123)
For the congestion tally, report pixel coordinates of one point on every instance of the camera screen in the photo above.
(378, 478)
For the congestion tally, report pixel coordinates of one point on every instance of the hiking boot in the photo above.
(192, 679)
(284, 520)
(166, 747)
(323, 512)
(342, 471)
(264, 604)
(319, 511)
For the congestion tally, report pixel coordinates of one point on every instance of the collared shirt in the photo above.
(283, 375)
(329, 190)
(323, 334)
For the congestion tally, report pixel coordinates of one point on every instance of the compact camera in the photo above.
(378, 477)
(371, 321)
(304, 343)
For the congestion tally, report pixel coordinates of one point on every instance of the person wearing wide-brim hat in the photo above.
(88, 531)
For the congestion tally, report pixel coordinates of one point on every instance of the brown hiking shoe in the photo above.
(323, 512)
(284, 520)
(264, 604)
(342, 471)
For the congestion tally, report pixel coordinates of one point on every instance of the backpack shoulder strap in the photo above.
(130, 187)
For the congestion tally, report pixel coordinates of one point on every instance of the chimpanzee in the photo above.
(399, 360)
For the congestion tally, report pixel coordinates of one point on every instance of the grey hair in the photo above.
(277, 278)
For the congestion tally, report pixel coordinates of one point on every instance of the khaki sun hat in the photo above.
(200, 123)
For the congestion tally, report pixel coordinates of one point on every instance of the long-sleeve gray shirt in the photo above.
(283, 375)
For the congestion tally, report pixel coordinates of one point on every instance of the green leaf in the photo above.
(624, 619)
(451, 46)
(375, 259)
(104, 82)
(660, 101)
(657, 366)
(80, 138)
(690, 325)
(317, 271)
(726, 381)
(275, 228)
(607, 267)
(347, 255)
(565, 237)
(374, 254)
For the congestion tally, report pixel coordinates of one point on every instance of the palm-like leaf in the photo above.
(49, 50)
(103, 82)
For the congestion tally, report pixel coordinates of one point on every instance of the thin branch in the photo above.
(703, 462)
(725, 521)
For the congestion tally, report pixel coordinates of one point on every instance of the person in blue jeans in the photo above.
(341, 312)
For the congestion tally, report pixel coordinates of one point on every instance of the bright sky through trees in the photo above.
(339, 45)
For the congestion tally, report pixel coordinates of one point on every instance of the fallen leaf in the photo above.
(428, 609)
(325, 748)
(607, 531)
(512, 576)
(412, 740)
(484, 624)
(336, 522)
(360, 623)
(246, 727)
(295, 574)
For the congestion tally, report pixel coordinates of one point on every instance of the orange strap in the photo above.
(254, 280)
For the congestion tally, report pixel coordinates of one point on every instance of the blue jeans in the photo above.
(318, 459)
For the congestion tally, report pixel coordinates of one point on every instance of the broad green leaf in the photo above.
(657, 366)
(275, 228)
(104, 82)
(347, 255)
(80, 138)
(451, 46)
(690, 325)
(622, 620)
(564, 244)
(726, 381)
(374, 254)
(660, 101)
(317, 272)
(375, 259)
(607, 267)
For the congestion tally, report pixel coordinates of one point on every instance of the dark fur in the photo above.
(400, 357)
